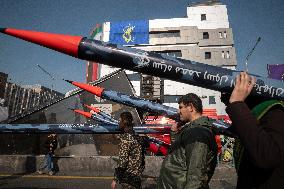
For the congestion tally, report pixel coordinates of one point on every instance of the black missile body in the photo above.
(185, 71)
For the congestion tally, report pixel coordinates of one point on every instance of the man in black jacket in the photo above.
(260, 128)
(50, 145)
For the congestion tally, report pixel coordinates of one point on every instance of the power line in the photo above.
(250, 53)
(49, 74)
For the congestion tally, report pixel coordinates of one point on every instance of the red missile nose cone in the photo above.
(63, 43)
(92, 89)
(93, 108)
(86, 114)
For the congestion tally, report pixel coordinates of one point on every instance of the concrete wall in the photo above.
(73, 165)
(216, 16)
(224, 176)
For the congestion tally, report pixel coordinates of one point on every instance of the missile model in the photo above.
(127, 100)
(99, 112)
(95, 117)
(185, 71)
(158, 128)
(143, 104)
(79, 128)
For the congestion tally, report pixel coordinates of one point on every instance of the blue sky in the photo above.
(248, 19)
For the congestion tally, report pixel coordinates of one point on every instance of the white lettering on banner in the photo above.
(187, 71)
(232, 82)
(144, 61)
(216, 77)
(279, 91)
(271, 90)
(71, 125)
(162, 66)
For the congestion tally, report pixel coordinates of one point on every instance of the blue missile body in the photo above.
(95, 117)
(128, 100)
(101, 113)
(138, 103)
(73, 129)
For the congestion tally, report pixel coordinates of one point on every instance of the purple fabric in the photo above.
(276, 71)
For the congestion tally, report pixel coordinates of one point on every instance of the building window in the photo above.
(207, 55)
(164, 34)
(220, 35)
(203, 17)
(225, 34)
(205, 35)
(173, 53)
(172, 98)
(212, 100)
(228, 54)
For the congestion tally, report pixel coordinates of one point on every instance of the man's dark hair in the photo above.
(126, 121)
(193, 99)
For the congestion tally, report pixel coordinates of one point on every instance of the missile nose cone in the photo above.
(92, 108)
(2, 30)
(92, 89)
(69, 81)
(62, 43)
(86, 114)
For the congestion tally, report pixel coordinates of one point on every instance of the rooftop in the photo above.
(204, 3)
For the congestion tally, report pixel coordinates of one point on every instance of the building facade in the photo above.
(27, 98)
(203, 36)
(3, 81)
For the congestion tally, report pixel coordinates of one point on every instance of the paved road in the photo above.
(224, 178)
(59, 182)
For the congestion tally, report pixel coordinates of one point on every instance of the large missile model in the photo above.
(95, 117)
(157, 127)
(155, 145)
(127, 100)
(142, 104)
(101, 113)
(76, 129)
(159, 137)
(190, 72)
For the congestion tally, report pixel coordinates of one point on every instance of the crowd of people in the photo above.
(191, 161)
(192, 157)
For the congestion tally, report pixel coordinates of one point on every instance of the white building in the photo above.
(203, 36)
(21, 99)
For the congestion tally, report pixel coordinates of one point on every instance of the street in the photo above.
(34, 181)
(224, 177)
